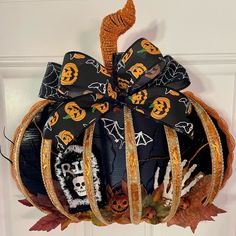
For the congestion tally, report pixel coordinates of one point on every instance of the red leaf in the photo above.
(48, 222)
(44, 201)
(25, 202)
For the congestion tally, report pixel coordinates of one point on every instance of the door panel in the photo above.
(199, 34)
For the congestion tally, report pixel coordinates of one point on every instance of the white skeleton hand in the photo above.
(168, 188)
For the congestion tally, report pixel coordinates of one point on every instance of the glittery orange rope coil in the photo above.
(112, 27)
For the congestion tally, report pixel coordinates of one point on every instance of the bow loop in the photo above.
(81, 74)
(141, 62)
(174, 75)
(50, 84)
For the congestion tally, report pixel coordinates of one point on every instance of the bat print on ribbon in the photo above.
(188, 127)
(142, 139)
(187, 104)
(101, 87)
(94, 63)
(117, 133)
(114, 130)
(76, 56)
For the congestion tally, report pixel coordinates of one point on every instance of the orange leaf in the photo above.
(65, 224)
(196, 212)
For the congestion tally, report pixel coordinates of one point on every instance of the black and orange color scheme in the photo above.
(121, 143)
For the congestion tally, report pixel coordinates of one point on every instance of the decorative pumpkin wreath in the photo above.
(121, 142)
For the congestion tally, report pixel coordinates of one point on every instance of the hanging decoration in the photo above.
(120, 142)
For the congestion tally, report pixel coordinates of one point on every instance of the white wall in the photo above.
(200, 34)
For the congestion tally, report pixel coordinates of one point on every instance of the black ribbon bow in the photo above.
(142, 79)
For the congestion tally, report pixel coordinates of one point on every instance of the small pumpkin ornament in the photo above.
(119, 202)
(121, 143)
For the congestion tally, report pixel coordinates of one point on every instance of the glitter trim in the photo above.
(176, 180)
(48, 180)
(15, 152)
(88, 174)
(132, 168)
(216, 152)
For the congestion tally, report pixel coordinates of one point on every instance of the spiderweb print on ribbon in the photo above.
(171, 73)
(50, 83)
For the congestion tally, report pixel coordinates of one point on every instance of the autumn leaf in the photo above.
(122, 220)
(44, 201)
(60, 193)
(143, 192)
(96, 222)
(48, 222)
(196, 212)
(157, 193)
(25, 202)
(65, 224)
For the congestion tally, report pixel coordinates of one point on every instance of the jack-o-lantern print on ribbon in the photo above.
(69, 74)
(127, 55)
(160, 108)
(122, 83)
(104, 71)
(74, 112)
(111, 92)
(139, 97)
(65, 136)
(102, 107)
(137, 70)
(53, 119)
(149, 47)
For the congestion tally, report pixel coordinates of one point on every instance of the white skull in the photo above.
(79, 186)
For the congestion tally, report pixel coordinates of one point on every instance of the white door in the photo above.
(200, 34)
